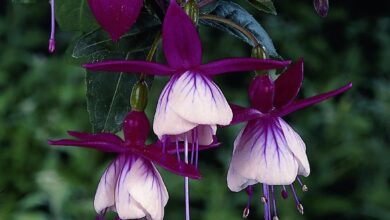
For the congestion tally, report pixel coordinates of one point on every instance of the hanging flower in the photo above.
(321, 7)
(116, 16)
(190, 99)
(267, 150)
(131, 185)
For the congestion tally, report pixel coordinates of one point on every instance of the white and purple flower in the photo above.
(131, 185)
(267, 150)
(191, 100)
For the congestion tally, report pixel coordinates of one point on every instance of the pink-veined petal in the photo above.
(197, 99)
(145, 185)
(241, 114)
(311, 101)
(105, 197)
(126, 206)
(297, 147)
(182, 46)
(166, 121)
(239, 65)
(263, 154)
(287, 85)
(130, 66)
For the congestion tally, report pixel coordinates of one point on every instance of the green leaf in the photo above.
(75, 15)
(108, 94)
(264, 5)
(237, 14)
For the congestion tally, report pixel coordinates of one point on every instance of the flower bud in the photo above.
(259, 52)
(322, 7)
(139, 96)
(116, 16)
(192, 10)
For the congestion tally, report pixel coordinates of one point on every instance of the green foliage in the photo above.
(239, 15)
(347, 138)
(264, 5)
(75, 15)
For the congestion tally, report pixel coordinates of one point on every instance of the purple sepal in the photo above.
(240, 64)
(108, 137)
(181, 43)
(321, 7)
(131, 66)
(92, 144)
(116, 16)
(287, 85)
(166, 161)
(241, 114)
(261, 93)
(311, 101)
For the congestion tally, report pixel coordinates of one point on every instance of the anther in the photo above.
(245, 213)
(263, 200)
(275, 218)
(300, 208)
(304, 188)
(284, 193)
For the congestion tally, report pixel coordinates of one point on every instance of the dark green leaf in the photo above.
(240, 16)
(108, 94)
(264, 5)
(75, 15)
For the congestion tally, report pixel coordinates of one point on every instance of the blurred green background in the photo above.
(347, 138)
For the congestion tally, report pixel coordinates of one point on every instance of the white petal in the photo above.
(197, 99)
(262, 154)
(145, 185)
(166, 121)
(204, 134)
(104, 197)
(126, 206)
(297, 146)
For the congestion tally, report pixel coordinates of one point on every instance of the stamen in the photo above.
(186, 185)
(263, 200)
(274, 203)
(299, 205)
(197, 147)
(284, 193)
(275, 218)
(249, 191)
(245, 213)
(177, 149)
(267, 208)
(193, 146)
(303, 186)
(52, 41)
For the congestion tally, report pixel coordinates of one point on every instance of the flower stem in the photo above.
(234, 25)
(152, 51)
(186, 185)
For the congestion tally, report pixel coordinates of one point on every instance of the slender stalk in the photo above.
(152, 51)
(52, 41)
(233, 25)
(186, 185)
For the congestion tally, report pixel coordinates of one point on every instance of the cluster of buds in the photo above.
(267, 151)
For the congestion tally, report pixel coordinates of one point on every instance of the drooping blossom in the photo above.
(52, 40)
(131, 185)
(116, 16)
(190, 99)
(321, 7)
(267, 150)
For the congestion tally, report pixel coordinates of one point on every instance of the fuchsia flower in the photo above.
(321, 7)
(190, 100)
(116, 16)
(267, 150)
(131, 185)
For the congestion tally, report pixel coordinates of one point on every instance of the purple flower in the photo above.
(267, 150)
(116, 16)
(190, 99)
(321, 7)
(131, 185)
